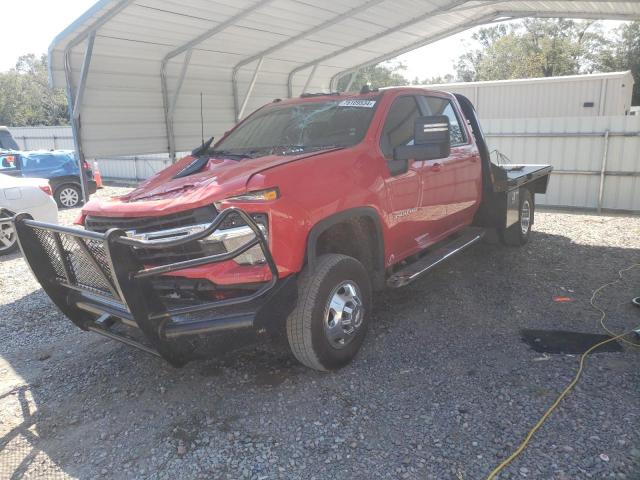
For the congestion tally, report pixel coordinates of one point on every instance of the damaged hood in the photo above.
(163, 194)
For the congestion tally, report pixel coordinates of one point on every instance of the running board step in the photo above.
(415, 270)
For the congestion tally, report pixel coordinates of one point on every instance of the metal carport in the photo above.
(134, 70)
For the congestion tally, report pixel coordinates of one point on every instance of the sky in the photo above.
(54, 16)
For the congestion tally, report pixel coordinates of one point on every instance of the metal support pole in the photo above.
(603, 170)
(189, 46)
(75, 104)
(490, 18)
(183, 73)
(252, 85)
(352, 79)
(372, 38)
(170, 106)
(309, 78)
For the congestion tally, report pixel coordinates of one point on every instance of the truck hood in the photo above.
(163, 194)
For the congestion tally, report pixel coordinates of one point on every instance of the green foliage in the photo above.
(551, 47)
(623, 53)
(26, 98)
(383, 75)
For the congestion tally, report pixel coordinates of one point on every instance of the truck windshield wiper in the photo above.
(231, 154)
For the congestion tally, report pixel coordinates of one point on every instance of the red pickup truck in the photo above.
(286, 226)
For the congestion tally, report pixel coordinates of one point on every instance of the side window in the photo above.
(399, 126)
(442, 106)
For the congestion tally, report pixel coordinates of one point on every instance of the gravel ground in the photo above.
(444, 388)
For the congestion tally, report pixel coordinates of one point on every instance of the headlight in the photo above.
(257, 196)
(233, 234)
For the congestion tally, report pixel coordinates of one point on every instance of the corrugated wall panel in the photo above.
(575, 147)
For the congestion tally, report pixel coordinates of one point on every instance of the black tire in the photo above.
(519, 233)
(8, 241)
(307, 325)
(68, 191)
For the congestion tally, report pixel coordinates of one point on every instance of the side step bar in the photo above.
(415, 270)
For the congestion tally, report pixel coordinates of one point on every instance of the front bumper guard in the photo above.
(98, 281)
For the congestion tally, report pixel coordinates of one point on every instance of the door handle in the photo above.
(436, 167)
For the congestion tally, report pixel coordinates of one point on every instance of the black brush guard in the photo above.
(98, 281)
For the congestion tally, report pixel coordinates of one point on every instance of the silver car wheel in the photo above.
(343, 314)
(69, 197)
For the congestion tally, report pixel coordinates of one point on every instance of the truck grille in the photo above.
(151, 224)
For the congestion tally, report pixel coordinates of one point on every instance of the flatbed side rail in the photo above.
(88, 274)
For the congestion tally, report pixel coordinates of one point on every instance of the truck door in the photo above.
(458, 183)
(406, 228)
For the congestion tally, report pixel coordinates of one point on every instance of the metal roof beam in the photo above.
(511, 14)
(183, 74)
(322, 26)
(566, 14)
(372, 38)
(252, 85)
(382, 58)
(189, 46)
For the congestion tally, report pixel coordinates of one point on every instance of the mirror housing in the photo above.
(398, 166)
(432, 140)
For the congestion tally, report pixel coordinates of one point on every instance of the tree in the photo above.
(439, 79)
(532, 48)
(26, 98)
(623, 53)
(386, 74)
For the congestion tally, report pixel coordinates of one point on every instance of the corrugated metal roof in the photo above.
(223, 48)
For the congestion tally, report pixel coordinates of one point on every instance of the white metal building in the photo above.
(135, 69)
(596, 95)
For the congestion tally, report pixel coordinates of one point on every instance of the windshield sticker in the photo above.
(357, 103)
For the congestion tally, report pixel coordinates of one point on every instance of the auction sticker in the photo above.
(357, 103)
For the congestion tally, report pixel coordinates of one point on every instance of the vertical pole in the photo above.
(603, 170)
(309, 78)
(75, 104)
(254, 79)
(352, 79)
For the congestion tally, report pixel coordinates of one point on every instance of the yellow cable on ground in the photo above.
(575, 380)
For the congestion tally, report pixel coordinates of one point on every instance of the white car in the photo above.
(23, 195)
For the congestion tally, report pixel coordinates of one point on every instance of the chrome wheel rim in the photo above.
(343, 315)
(7, 236)
(69, 197)
(525, 217)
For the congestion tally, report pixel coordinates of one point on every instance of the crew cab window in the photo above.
(399, 126)
(442, 106)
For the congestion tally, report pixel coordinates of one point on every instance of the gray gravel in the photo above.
(443, 389)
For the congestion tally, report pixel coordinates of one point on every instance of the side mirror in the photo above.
(432, 140)
(397, 166)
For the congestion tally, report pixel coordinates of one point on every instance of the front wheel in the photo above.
(519, 233)
(330, 321)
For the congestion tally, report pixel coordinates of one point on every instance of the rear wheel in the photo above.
(68, 196)
(8, 238)
(519, 233)
(329, 323)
